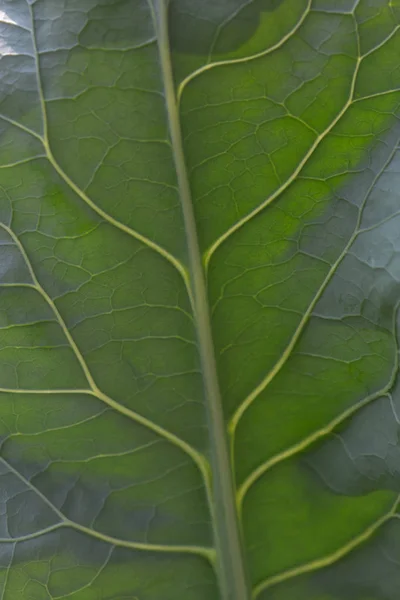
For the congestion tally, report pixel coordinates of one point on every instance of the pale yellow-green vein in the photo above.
(247, 402)
(208, 553)
(93, 389)
(244, 59)
(313, 437)
(318, 140)
(329, 559)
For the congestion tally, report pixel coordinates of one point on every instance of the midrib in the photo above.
(231, 565)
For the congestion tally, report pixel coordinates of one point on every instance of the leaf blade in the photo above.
(289, 117)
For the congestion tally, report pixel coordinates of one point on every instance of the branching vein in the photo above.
(207, 553)
(245, 59)
(304, 320)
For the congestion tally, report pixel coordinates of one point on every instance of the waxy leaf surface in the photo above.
(176, 173)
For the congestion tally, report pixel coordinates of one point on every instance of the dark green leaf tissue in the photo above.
(199, 291)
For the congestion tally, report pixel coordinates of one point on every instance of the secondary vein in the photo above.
(65, 522)
(318, 140)
(248, 401)
(330, 559)
(93, 389)
(234, 61)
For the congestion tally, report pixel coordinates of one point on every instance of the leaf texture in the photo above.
(199, 288)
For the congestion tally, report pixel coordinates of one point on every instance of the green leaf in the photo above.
(199, 290)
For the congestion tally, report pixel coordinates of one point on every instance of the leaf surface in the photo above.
(199, 287)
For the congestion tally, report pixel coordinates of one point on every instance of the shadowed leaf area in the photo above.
(176, 173)
(226, 26)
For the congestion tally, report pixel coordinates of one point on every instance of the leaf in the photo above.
(199, 288)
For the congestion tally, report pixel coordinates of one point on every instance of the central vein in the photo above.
(232, 570)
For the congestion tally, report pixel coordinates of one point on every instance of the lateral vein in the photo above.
(207, 553)
(296, 449)
(330, 559)
(117, 224)
(103, 214)
(93, 389)
(304, 320)
(319, 139)
(245, 59)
